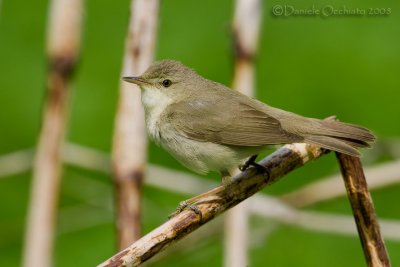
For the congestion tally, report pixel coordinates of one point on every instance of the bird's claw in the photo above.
(251, 162)
(248, 163)
(196, 210)
(243, 167)
(185, 205)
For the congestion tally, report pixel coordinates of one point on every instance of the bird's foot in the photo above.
(252, 162)
(186, 204)
(191, 203)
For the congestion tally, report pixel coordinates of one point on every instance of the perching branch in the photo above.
(265, 206)
(62, 45)
(184, 183)
(246, 184)
(363, 210)
(130, 143)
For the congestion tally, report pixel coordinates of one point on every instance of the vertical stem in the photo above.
(236, 236)
(246, 26)
(363, 210)
(130, 142)
(63, 45)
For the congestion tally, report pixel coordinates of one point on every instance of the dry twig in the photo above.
(63, 45)
(284, 160)
(130, 142)
(262, 205)
(184, 183)
(363, 210)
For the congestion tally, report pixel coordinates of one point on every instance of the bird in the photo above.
(207, 126)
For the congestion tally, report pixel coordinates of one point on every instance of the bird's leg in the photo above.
(191, 203)
(252, 162)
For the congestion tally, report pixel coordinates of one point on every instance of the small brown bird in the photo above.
(207, 126)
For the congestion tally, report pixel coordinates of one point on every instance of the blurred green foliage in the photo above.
(348, 66)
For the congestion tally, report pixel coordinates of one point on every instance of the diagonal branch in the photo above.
(184, 183)
(246, 184)
(363, 210)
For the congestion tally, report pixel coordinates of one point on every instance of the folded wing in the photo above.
(242, 125)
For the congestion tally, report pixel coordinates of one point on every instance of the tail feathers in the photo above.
(346, 131)
(342, 137)
(355, 142)
(332, 143)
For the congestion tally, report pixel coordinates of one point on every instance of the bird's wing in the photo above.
(211, 121)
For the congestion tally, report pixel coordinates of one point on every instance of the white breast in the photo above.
(154, 102)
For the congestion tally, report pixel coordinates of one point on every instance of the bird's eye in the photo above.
(166, 83)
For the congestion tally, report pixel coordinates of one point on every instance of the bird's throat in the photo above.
(154, 102)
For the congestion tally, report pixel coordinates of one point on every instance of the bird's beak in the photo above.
(136, 80)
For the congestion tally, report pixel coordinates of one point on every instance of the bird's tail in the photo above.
(338, 136)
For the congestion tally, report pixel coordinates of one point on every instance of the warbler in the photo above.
(209, 127)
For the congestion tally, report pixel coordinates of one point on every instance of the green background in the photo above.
(347, 66)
